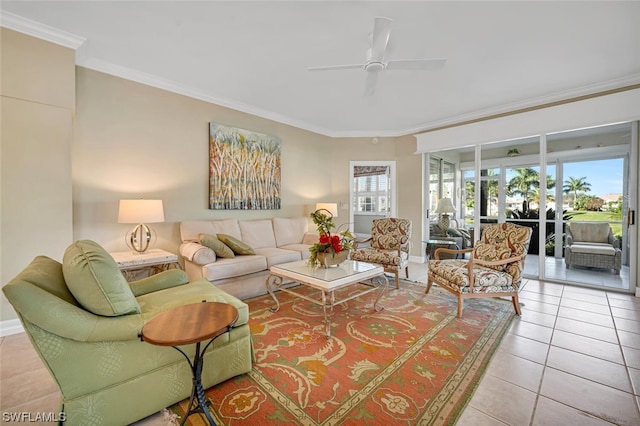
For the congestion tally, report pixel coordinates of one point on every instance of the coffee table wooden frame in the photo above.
(327, 280)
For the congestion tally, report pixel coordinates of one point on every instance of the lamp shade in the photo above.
(140, 211)
(330, 207)
(445, 206)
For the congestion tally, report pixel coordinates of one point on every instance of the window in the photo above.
(371, 194)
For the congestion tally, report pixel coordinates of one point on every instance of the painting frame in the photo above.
(244, 169)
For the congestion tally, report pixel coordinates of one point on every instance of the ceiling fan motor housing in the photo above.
(374, 66)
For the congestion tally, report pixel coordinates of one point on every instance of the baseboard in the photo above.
(9, 327)
(637, 291)
(416, 259)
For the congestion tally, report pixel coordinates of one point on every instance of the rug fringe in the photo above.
(169, 417)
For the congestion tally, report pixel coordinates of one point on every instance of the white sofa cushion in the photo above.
(197, 253)
(289, 230)
(257, 233)
(276, 256)
(592, 232)
(303, 249)
(593, 248)
(310, 238)
(234, 267)
(189, 230)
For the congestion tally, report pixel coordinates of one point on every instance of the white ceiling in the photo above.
(253, 56)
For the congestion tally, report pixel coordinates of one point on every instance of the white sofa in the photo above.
(275, 241)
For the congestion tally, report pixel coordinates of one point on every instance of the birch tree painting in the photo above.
(244, 169)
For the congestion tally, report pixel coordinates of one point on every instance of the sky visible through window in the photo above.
(605, 176)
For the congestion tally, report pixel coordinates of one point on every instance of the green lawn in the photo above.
(616, 223)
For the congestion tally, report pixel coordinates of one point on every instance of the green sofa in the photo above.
(87, 334)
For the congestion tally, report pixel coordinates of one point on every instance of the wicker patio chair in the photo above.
(592, 244)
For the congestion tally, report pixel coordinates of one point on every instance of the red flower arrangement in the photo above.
(328, 243)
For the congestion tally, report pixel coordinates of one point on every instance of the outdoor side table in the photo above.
(433, 245)
(188, 324)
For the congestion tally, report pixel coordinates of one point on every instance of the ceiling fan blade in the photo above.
(415, 64)
(336, 67)
(380, 39)
(370, 87)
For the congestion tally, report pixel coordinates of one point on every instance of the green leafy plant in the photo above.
(328, 243)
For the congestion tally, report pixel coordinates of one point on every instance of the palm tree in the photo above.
(551, 182)
(573, 185)
(524, 183)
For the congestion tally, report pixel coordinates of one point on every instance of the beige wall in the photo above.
(408, 175)
(136, 141)
(37, 98)
(63, 174)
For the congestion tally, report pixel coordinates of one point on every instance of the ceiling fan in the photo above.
(377, 60)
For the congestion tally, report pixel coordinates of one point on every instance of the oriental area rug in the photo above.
(412, 363)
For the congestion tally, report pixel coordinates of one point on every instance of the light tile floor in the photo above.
(573, 358)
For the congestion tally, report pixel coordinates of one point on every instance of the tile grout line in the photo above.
(624, 358)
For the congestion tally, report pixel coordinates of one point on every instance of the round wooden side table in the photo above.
(188, 324)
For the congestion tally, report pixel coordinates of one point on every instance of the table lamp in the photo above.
(330, 207)
(140, 212)
(445, 206)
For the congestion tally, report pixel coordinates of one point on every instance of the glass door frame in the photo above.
(630, 238)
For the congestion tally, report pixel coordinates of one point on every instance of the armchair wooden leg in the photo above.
(397, 279)
(460, 306)
(516, 305)
(428, 286)
(406, 272)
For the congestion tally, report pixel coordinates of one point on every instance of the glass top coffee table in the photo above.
(327, 280)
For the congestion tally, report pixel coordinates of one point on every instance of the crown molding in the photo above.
(591, 91)
(63, 38)
(170, 86)
(41, 31)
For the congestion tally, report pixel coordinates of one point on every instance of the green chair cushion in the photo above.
(235, 244)
(95, 280)
(218, 247)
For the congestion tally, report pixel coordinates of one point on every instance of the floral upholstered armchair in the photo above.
(389, 246)
(494, 269)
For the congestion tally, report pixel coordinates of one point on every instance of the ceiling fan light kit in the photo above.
(376, 57)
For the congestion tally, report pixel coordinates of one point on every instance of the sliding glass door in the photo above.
(592, 185)
(545, 182)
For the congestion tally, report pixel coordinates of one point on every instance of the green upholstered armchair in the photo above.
(84, 321)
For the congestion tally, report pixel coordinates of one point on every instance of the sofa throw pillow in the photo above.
(235, 244)
(95, 280)
(218, 247)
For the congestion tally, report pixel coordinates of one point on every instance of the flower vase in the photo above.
(330, 258)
